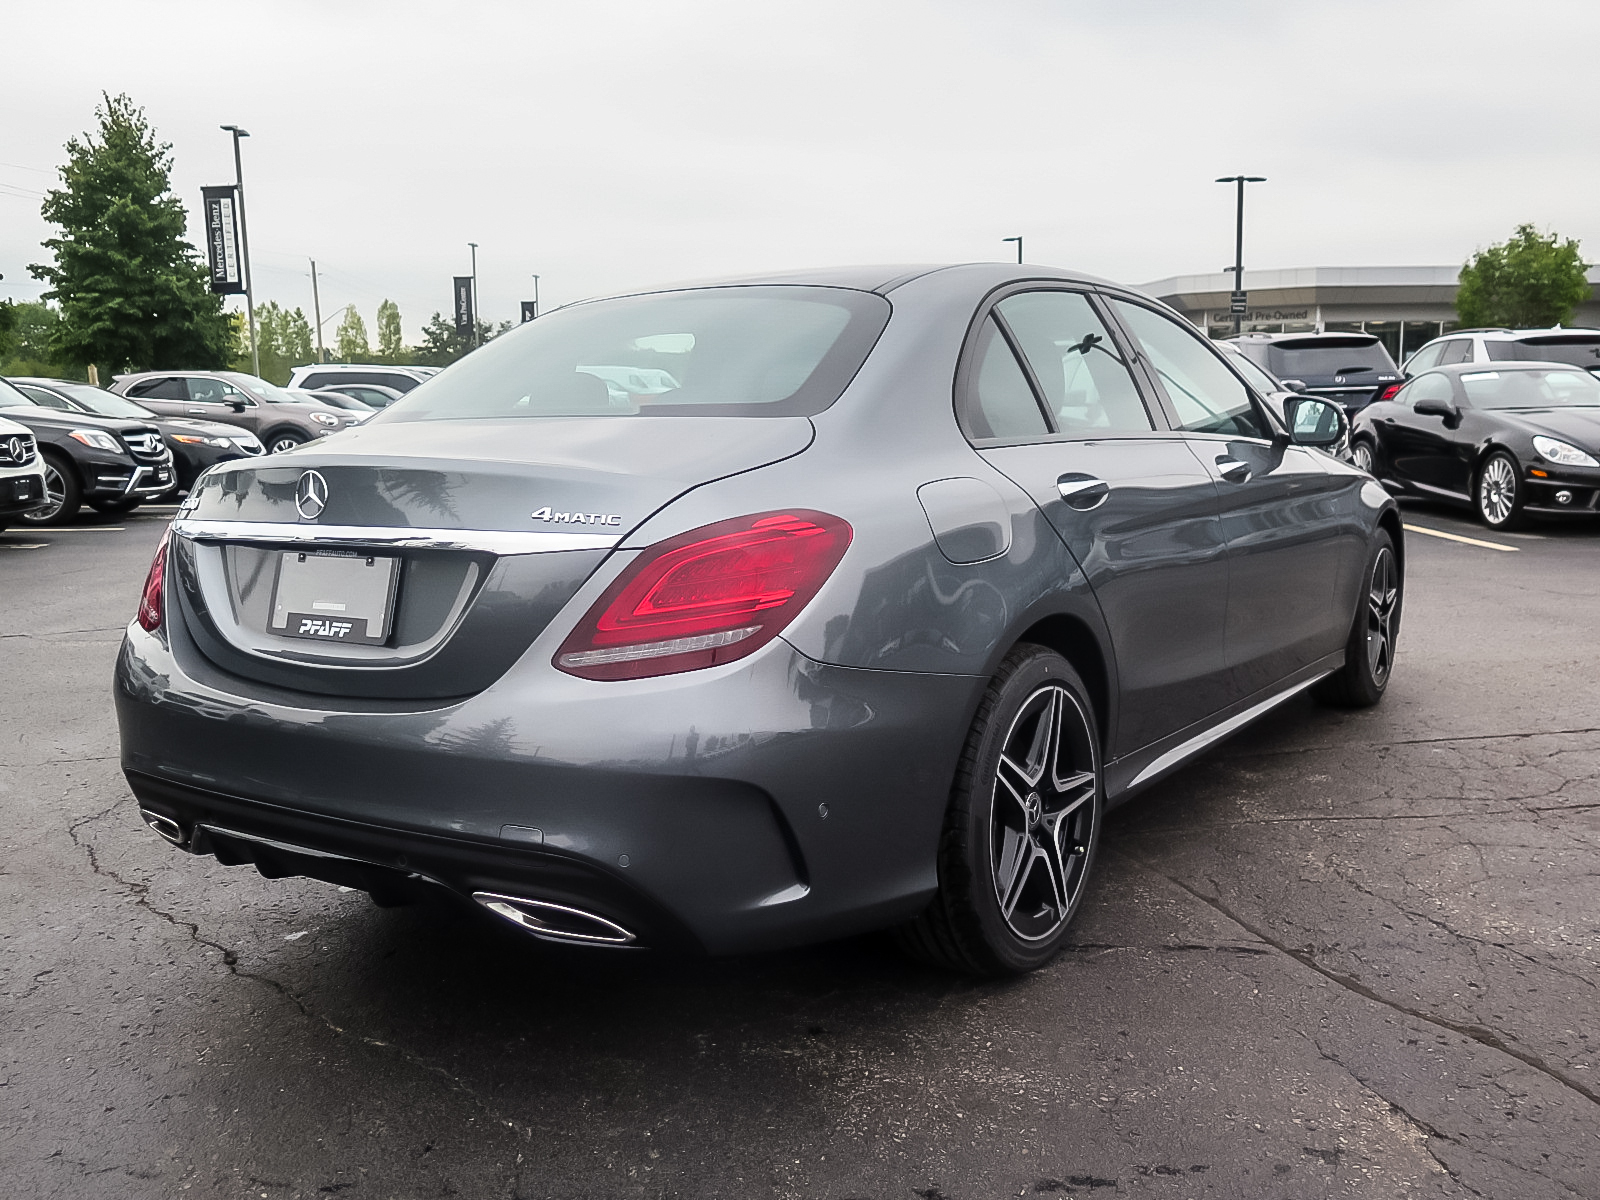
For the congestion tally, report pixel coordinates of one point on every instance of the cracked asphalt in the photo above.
(1345, 954)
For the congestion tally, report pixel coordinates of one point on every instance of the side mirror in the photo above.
(236, 405)
(1436, 408)
(1314, 422)
(1294, 385)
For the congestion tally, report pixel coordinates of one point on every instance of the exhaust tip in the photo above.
(165, 826)
(556, 922)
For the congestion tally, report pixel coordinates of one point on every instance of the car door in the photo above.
(1051, 402)
(212, 399)
(1421, 448)
(1282, 509)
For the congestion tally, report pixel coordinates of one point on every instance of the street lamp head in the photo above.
(1242, 179)
(236, 131)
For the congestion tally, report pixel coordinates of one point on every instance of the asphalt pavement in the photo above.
(1345, 954)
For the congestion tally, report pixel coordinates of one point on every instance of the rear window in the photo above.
(1328, 356)
(735, 351)
(1531, 389)
(1578, 352)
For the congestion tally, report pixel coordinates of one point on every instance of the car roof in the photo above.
(1481, 368)
(884, 278)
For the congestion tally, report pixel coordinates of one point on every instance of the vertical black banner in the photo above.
(221, 206)
(464, 313)
(530, 310)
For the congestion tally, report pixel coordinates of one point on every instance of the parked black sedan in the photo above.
(1510, 440)
(112, 464)
(195, 445)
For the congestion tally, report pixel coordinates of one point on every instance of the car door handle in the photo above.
(1083, 492)
(196, 412)
(1233, 470)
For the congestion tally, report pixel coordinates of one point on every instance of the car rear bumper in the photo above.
(771, 802)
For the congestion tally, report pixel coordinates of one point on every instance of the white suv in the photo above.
(21, 472)
(321, 375)
(1575, 347)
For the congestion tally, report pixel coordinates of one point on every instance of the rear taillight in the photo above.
(1390, 391)
(150, 602)
(705, 597)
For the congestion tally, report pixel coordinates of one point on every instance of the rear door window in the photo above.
(1205, 396)
(166, 388)
(999, 400)
(1456, 350)
(1086, 384)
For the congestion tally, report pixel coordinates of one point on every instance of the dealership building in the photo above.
(1403, 306)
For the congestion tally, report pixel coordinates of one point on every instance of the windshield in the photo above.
(1531, 389)
(1328, 356)
(733, 351)
(1578, 352)
(258, 387)
(102, 403)
(11, 398)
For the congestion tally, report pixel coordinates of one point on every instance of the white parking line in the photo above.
(1456, 537)
(23, 545)
(86, 529)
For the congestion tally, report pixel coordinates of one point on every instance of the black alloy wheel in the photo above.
(284, 440)
(1023, 824)
(62, 491)
(1369, 652)
(1500, 494)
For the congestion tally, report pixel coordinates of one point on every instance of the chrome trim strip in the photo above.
(1217, 732)
(495, 541)
(287, 847)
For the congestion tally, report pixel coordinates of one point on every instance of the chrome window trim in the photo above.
(494, 541)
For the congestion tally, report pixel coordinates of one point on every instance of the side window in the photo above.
(1086, 385)
(1429, 387)
(999, 402)
(1427, 357)
(165, 388)
(206, 391)
(1207, 397)
(319, 380)
(400, 383)
(1456, 350)
(43, 398)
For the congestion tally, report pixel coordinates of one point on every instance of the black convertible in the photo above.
(1509, 439)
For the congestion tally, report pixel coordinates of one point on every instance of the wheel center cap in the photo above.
(1032, 808)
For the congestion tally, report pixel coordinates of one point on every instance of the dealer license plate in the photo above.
(334, 596)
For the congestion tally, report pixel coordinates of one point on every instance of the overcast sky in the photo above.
(609, 144)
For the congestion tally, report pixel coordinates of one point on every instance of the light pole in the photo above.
(244, 246)
(1236, 302)
(1018, 241)
(474, 246)
(316, 308)
(536, 297)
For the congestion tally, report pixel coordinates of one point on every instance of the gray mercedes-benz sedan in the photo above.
(743, 615)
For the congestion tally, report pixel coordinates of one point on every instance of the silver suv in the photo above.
(21, 472)
(1575, 347)
(280, 420)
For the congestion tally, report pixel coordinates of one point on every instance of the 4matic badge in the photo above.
(576, 518)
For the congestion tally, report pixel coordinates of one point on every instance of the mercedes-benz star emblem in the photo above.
(15, 448)
(311, 495)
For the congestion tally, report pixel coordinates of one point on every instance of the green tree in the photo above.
(350, 340)
(391, 338)
(26, 349)
(295, 332)
(1527, 282)
(131, 291)
(441, 345)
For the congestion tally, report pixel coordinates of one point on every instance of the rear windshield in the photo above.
(1531, 389)
(734, 351)
(1579, 352)
(1289, 360)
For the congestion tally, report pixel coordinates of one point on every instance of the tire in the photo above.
(1023, 825)
(1498, 494)
(1364, 457)
(114, 506)
(62, 488)
(1369, 651)
(284, 439)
